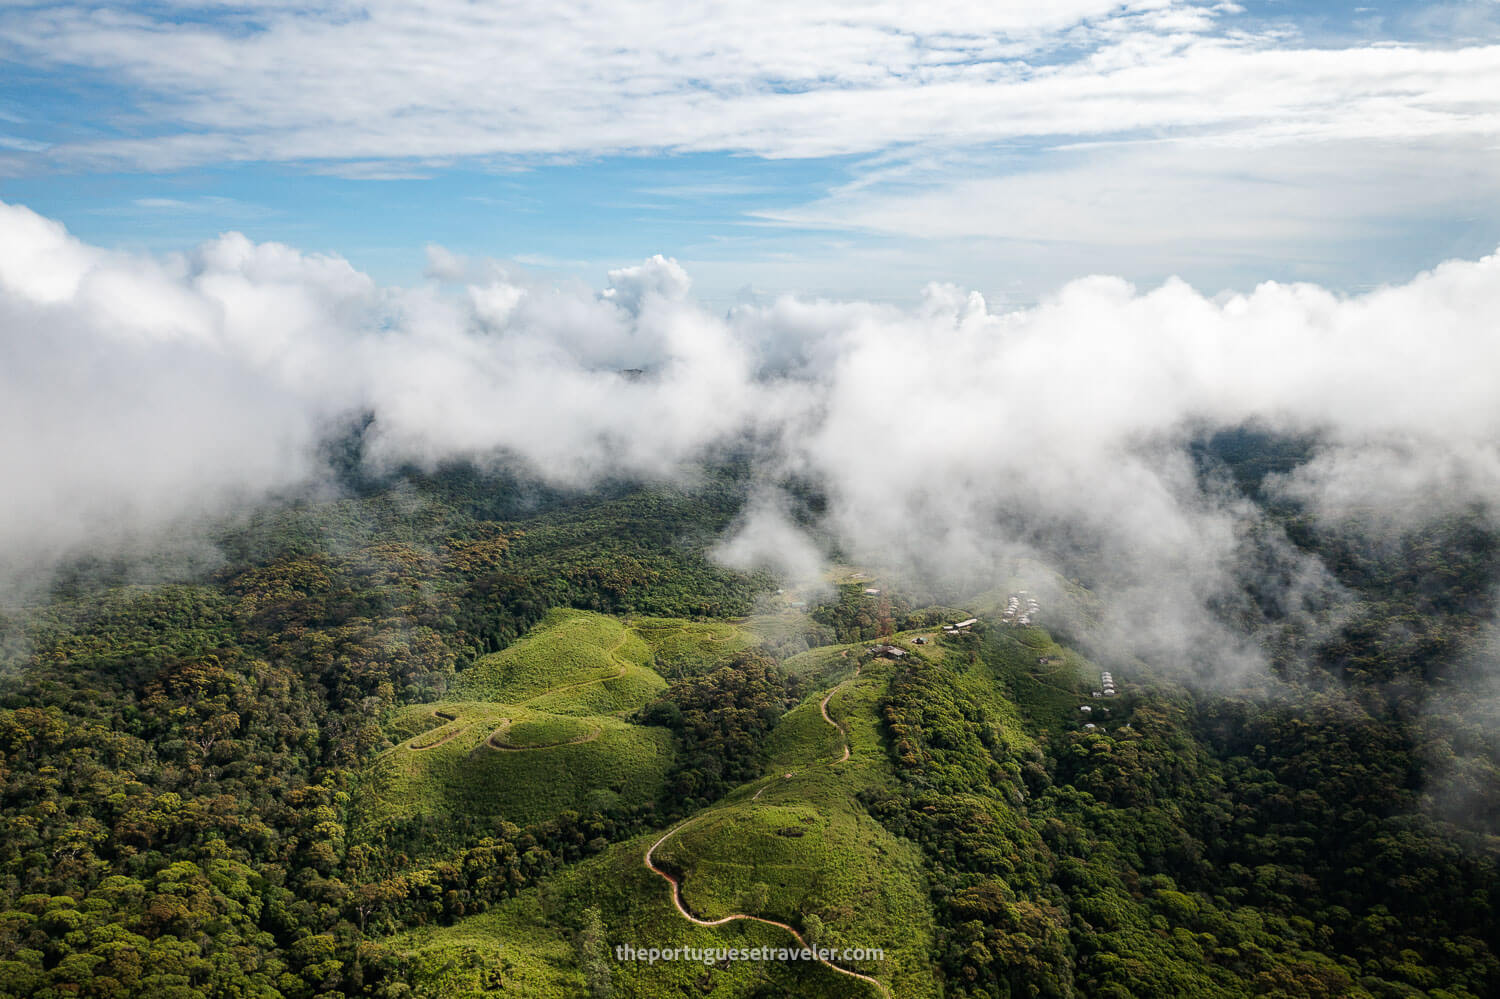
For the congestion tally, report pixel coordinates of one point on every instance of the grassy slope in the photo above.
(825, 664)
(533, 956)
(510, 949)
(534, 733)
(862, 882)
(561, 689)
(686, 647)
(617, 695)
(806, 845)
(1045, 695)
(568, 648)
(463, 774)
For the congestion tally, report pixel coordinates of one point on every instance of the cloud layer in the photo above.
(1009, 145)
(450, 79)
(950, 438)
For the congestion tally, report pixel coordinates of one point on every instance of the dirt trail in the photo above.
(450, 719)
(823, 708)
(733, 917)
(493, 741)
(624, 668)
(677, 884)
(505, 722)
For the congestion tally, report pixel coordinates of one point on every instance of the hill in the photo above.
(424, 740)
(547, 736)
(793, 847)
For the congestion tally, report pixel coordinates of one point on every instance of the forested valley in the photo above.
(195, 769)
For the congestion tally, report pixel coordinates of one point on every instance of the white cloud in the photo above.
(1000, 144)
(208, 204)
(951, 438)
(1209, 197)
(364, 85)
(765, 537)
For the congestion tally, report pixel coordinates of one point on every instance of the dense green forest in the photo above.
(195, 776)
(181, 762)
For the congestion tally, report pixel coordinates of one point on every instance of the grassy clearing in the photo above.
(801, 737)
(804, 846)
(686, 648)
(538, 731)
(826, 665)
(465, 775)
(568, 648)
(543, 732)
(617, 695)
(787, 858)
(510, 949)
(638, 909)
(1047, 695)
(432, 722)
(412, 721)
(778, 622)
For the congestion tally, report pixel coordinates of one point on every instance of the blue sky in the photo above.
(839, 149)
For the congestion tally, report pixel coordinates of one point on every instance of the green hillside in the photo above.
(393, 749)
(522, 765)
(547, 735)
(798, 849)
(569, 649)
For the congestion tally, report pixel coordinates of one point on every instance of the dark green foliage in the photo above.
(722, 720)
(1215, 847)
(593, 955)
(855, 616)
(181, 765)
(185, 769)
(1251, 454)
(958, 800)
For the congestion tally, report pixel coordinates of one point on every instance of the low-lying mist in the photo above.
(949, 440)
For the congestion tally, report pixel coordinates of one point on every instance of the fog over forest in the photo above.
(139, 392)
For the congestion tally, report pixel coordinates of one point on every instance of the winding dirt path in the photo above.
(493, 741)
(732, 917)
(624, 668)
(505, 722)
(450, 719)
(823, 708)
